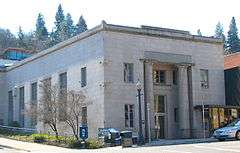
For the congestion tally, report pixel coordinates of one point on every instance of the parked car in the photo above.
(230, 131)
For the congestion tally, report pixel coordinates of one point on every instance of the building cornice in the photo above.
(167, 33)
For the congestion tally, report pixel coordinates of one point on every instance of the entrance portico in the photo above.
(167, 83)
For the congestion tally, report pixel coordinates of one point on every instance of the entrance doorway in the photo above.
(159, 116)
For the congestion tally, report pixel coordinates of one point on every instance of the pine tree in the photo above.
(233, 42)
(199, 33)
(21, 38)
(219, 33)
(70, 26)
(41, 30)
(81, 25)
(60, 30)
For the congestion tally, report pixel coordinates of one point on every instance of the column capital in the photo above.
(183, 65)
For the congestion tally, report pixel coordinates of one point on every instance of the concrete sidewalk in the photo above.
(165, 142)
(31, 147)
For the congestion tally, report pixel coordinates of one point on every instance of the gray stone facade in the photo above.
(104, 50)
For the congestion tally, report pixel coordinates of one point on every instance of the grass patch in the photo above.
(62, 141)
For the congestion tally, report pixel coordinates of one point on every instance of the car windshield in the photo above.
(234, 123)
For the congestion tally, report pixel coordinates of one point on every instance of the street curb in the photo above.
(179, 142)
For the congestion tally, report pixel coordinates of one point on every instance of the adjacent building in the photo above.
(180, 73)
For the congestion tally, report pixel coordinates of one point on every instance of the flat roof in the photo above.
(145, 30)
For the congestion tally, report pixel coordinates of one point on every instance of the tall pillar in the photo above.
(148, 96)
(183, 102)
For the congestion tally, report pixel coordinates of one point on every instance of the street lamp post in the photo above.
(140, 133)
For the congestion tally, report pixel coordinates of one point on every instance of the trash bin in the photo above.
(110, 136)
(134, 140)
(126, 138)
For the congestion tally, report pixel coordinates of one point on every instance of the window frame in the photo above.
(84, 76)
(204, 83)
(157, 76)
(128, 72)
(129, 115)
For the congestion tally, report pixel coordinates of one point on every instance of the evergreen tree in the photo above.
(199, 33)
(21, 38)
(7, 39)
(70, 26)
(233, 42)
(219, 33)
(81, 25)
(60, 31)
(41, 30)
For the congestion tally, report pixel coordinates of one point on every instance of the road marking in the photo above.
(214, 148)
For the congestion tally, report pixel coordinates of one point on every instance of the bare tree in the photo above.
(77, 102)
(46, 110)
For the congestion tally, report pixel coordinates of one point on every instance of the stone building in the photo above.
(179, 72)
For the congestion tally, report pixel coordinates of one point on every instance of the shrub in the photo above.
(74, 144)
(40, 137)
(94, 144)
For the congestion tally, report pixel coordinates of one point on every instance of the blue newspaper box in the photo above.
(83, 132)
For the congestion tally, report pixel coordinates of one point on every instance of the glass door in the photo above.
(159, 116)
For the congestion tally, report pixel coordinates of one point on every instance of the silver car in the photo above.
(230, 131)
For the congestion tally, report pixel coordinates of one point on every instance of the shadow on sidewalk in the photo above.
(8, 147)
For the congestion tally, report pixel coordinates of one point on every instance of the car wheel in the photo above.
(221, 139)
(238, 135)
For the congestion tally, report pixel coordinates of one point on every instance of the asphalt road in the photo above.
(213, 147)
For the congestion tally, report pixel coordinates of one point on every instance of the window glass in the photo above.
(10, 107)
(159, 104)
(34, 92)
(63, 96)
(159, 76)
(174, 77)
(204, 78)
(21, 106)
(84, 115)
(128, 73)
(129, 115)
(83, 77)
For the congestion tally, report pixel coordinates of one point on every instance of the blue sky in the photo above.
(179, 14)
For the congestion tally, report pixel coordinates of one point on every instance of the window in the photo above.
(174, 77)
(128, 73)
(84, 115)
(46, 96)
(129, 115)
(159, 76)
(62, 96)
(159, 104)
(10, 107)
(176, 114)
(21, 106)
(33, 103)
(34, 92)
(83, 77)
(204, 78)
